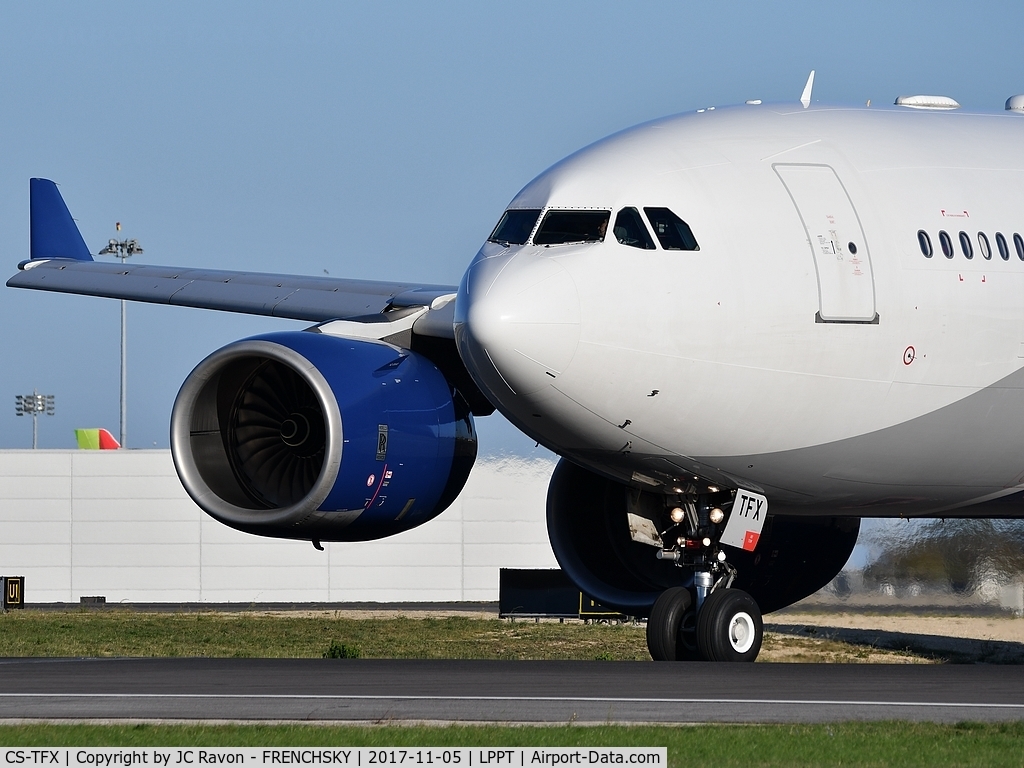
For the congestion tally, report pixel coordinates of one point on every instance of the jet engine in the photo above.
(590, 536)
(303, 435)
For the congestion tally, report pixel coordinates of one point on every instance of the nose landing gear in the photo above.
(709, 621)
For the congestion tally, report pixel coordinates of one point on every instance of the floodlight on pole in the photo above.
(33, 405)
(123, 249)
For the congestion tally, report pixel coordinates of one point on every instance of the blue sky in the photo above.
(377, 140)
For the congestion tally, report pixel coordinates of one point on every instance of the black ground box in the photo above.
(546, 593)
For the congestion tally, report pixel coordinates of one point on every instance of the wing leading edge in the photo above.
(289, 296)
(61, 262)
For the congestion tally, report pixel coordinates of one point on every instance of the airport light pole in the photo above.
(33, 405)
(123, 249)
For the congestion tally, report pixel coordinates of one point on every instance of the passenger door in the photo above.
(846, 288)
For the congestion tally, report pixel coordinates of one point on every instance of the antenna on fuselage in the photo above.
(805, 97)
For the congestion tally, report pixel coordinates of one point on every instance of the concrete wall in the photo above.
(118, 524)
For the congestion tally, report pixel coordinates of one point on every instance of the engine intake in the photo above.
(308, 436)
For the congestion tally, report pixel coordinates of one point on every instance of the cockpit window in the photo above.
(515, 227)
(572, 227)
(673, 233)
(629, 230)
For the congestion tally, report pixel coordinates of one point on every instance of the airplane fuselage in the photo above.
(809, 349)
(820, 308)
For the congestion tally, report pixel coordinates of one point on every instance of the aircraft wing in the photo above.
(60, 261)
(413, 315)
(299, 298)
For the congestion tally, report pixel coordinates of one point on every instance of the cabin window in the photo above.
(629, 230)
(515, 227)
(1018, 243)
(986, 249)
(946, 243)
(672, 232)
(965, 245)
(925, 242)
(572, 227)
(1004, 250)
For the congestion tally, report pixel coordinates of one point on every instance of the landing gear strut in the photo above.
(710, 621)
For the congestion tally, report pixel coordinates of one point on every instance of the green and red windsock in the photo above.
(96, 439)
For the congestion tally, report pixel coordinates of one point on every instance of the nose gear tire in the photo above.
(729, 626)
(670, 627)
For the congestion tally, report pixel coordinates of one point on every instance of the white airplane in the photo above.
(809, 307)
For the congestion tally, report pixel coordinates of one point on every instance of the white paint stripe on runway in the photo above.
(554, 699)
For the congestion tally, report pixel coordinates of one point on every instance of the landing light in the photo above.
(706, 541)
(716, 515)
(677, 515)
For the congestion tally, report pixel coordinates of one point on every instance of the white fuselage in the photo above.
(874, 382)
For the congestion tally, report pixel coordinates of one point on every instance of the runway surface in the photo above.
(503, 691)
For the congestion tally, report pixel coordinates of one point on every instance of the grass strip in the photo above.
(847, 744)
(121, 633)
(252, 635)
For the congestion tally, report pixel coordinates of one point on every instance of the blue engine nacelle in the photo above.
(302, 435)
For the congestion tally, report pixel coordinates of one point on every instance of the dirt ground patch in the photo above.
(1006, 629)
(921, 638)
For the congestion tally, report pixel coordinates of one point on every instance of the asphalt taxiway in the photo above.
(358, 690)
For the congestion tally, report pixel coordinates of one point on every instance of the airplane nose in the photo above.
(518, 320)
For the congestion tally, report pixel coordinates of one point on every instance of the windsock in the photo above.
(96, 439)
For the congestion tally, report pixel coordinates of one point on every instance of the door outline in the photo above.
(814, 258)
